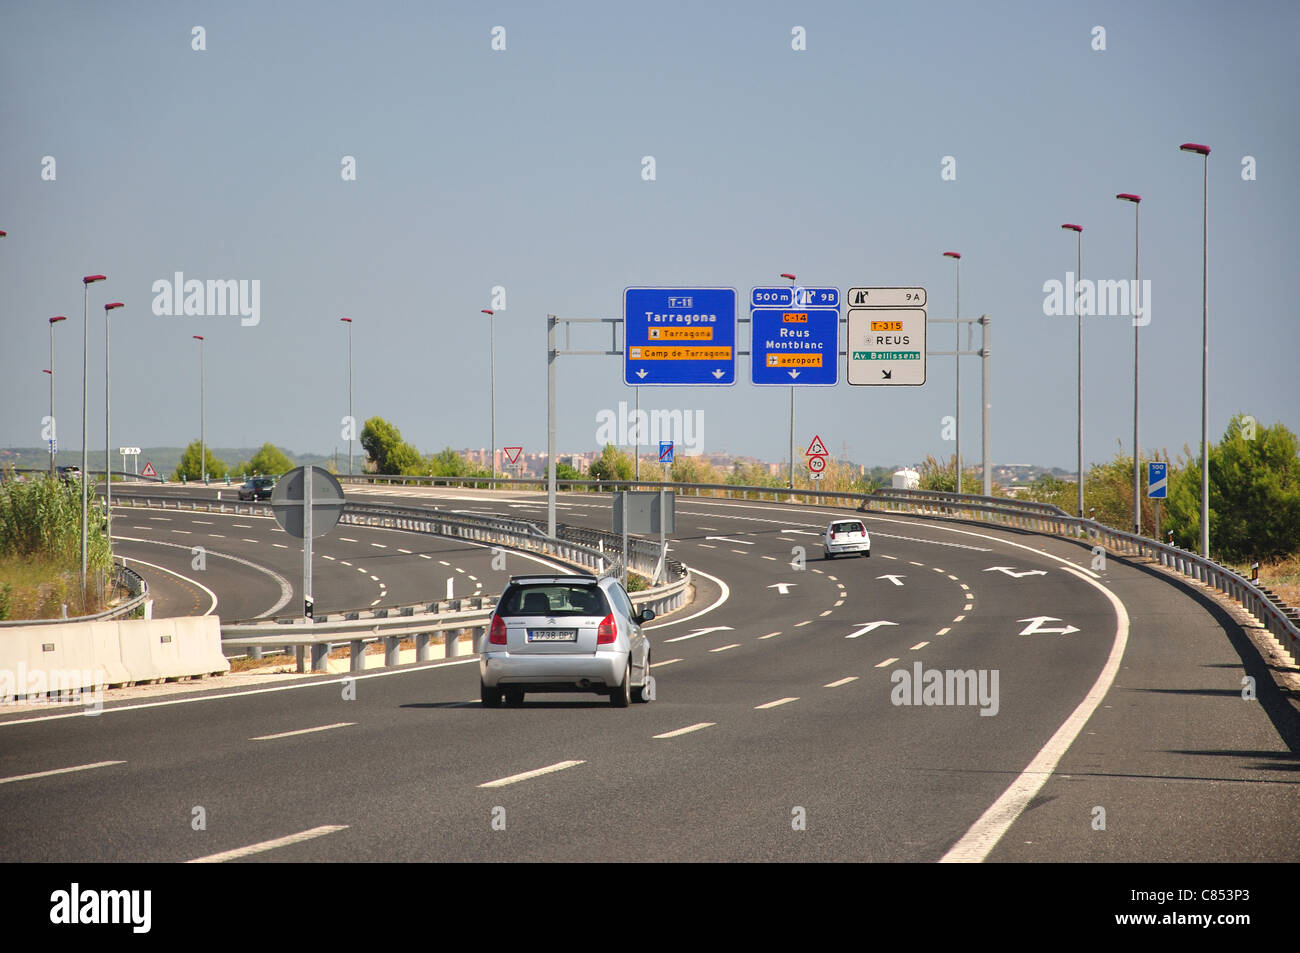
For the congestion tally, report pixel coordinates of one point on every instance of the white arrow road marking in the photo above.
(728, 539)
(783, 587)
(1036, 627)
(867, 627)
(893, 579)
(1017, 575)
(699, 632)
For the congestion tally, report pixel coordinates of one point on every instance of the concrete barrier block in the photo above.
(198, 640)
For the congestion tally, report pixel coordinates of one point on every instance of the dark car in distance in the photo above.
(258, 488)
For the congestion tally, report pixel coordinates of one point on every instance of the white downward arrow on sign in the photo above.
(1036, 627)
(867, 627)
(783, 587)
(699, 632)
(718, 372)
(794, 375)
(642, 373)
(893, 579)
(1017, 575)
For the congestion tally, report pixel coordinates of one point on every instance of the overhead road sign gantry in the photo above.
(679, 336)
(886, 336)
(795, 336)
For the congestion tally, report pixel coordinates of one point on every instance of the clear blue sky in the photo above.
(522, 168)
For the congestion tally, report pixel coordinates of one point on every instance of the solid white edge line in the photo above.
(726, 594)
(47, 774)
(212, 595)
(687, 730)
(266, 845)
(286, 588)
(978, 842)
(527, 775)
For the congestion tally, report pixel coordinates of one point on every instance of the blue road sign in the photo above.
(665, 451)
(679, 336)
(1157, 481)
(795, 336)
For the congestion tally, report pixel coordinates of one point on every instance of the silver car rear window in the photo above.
(847, 528)
(553, 599)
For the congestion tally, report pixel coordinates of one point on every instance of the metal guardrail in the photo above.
(124, 578)
(1019, 514)
(392, 626)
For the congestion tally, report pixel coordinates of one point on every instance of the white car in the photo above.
(846, 536)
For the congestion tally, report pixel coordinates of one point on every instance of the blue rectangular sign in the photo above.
(795, 336)
(665, 451)
(679, 336)
(1157, 481)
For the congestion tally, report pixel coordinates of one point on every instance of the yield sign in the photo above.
(148, 470)
(817, 448)
(512, 453)
(1036, 626)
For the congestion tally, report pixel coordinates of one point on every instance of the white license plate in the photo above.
(552, 635)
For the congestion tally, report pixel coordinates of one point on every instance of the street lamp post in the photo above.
(108, 467)
(1078, 276)
(956, 256)
(203, 443)
(1204, 152)
(792, 280)
(1137, 285)
(492, 380)
(352, 423)
(86, 282)
(54, 424)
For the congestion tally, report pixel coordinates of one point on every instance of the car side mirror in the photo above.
(645, 616)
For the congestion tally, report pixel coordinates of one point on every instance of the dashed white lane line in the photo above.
(937, 569)
(215, 536)
(374, 578)
(528, 775)
(443, 562)
(242, 525)
(360, 569)
(964, 586)
(779, 701)
(667, 661)
(202, 522)
(770, 635)
(839, 603)
(46, 774)
(773, 558)
(425, 556)
(303, 731)
(400, 550)
(458, 569)
(832, 578)
(944, 631)
(344, 562)
(687, 730)
(279, 545)
(741, 552)
(347, 539)
(888, 661)
(266, 845)
(376, 602)
(952, 577)
(161, 519)
(249, 540)
(142, 527)
(918, 646)
(183, 532)
(723, 648)
(706, 546)
(379, 545)
(842, 681)
(330, 558)
(967, 607)
(827, 612)
(803, 623)
(475, 578)
(958, 618)
(883, 556)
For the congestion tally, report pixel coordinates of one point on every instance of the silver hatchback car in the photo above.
(846, 536)
(565, 634)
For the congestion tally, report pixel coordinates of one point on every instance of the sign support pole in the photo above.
(306, 544)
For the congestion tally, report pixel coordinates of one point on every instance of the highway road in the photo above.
(1111, 725)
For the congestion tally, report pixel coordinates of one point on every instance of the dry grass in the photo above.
(1280, 575)
(37, 588)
